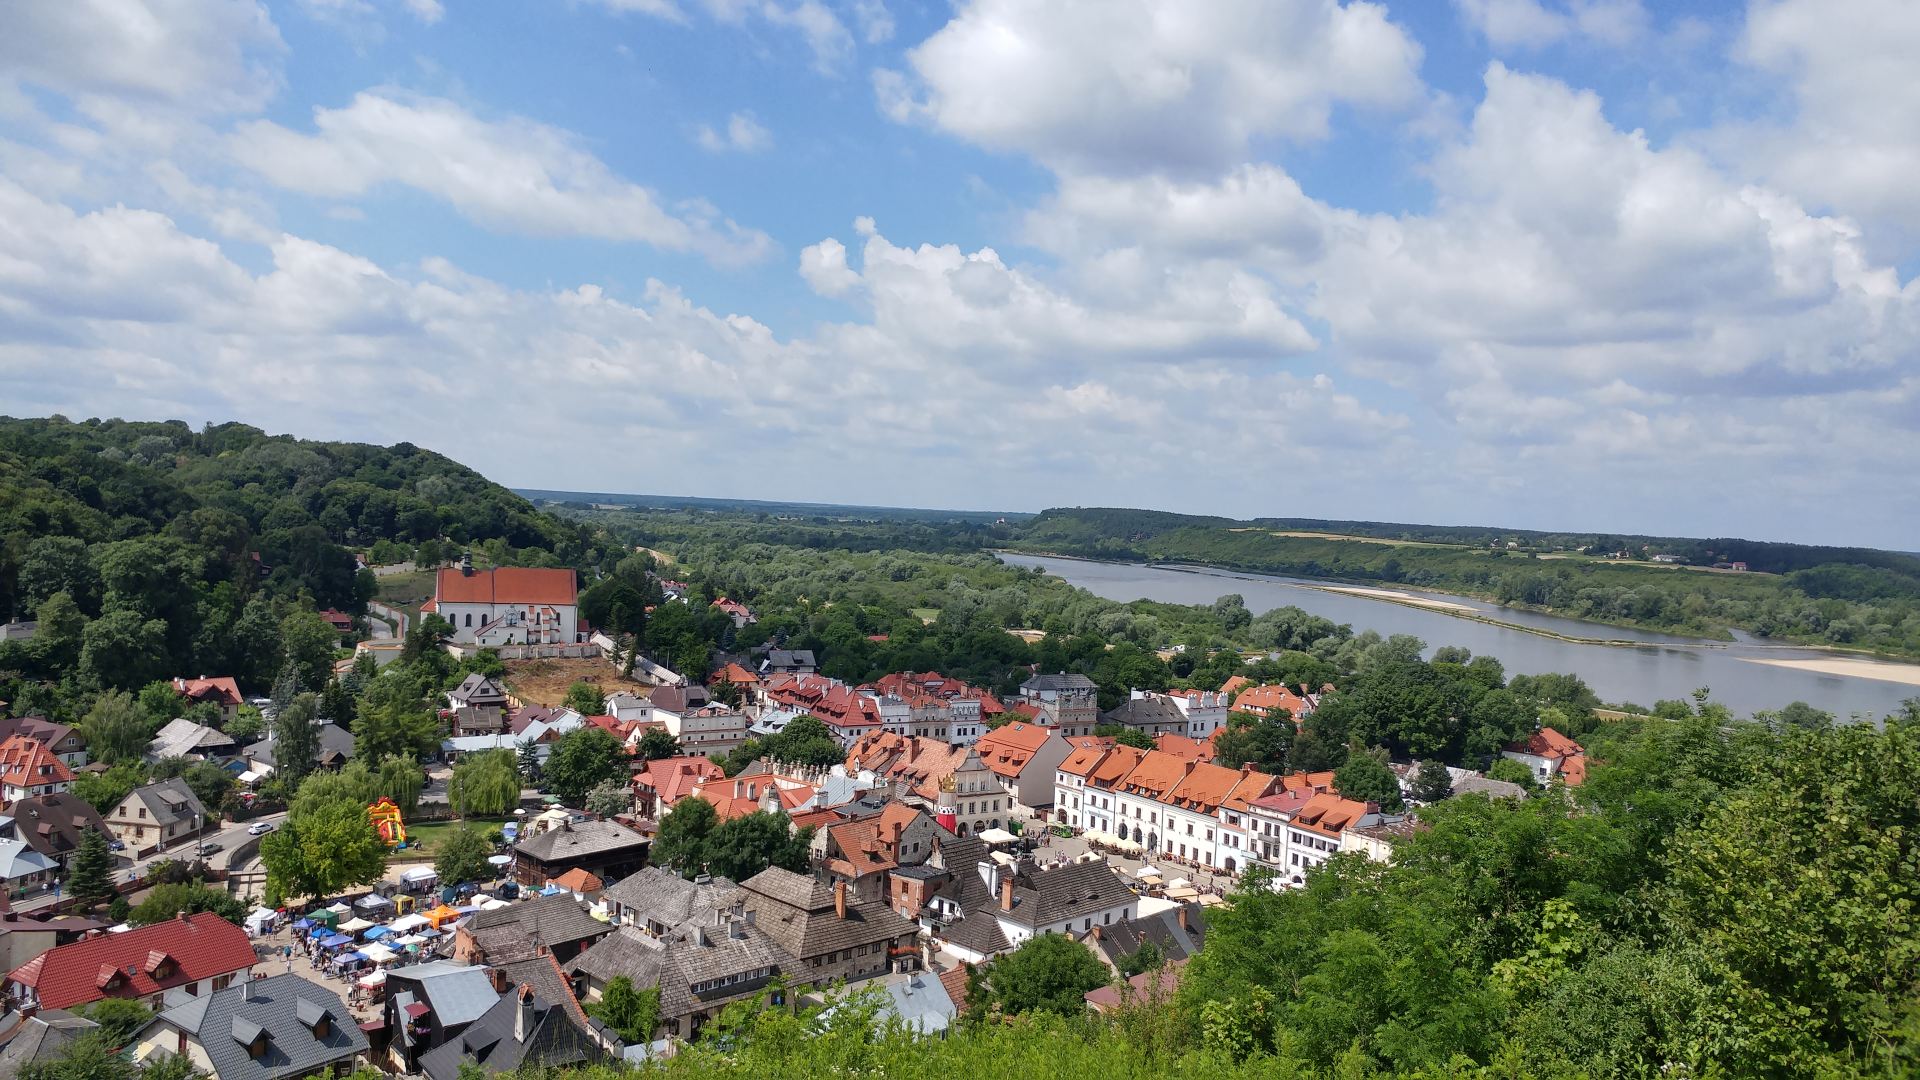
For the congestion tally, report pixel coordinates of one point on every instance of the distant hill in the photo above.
(823, 511)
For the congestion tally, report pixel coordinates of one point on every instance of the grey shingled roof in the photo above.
(182, 737)
(329, 739)
(550, 1037)
(1056, 682)
(1066, 892)
(540, 920)
(456, 993)
(676, 961)
(789, 910)
(272, 1005)
(979, 931)
(667, 898)
(787, 887)
(477, 687)
(1147, 712)
(162, 799)
(579, 839)
(1163, 928)
(41, 1038)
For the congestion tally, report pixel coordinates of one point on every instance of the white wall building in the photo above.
(510, 605)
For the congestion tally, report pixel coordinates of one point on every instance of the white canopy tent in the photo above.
(379, 954)
(996, 836)
(407, 922)
(378, 978)
(354, 926)
(419, 874)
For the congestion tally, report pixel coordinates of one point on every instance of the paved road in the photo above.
(379, 630)
(229, 837)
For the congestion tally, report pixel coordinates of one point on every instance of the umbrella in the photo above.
(499, 860)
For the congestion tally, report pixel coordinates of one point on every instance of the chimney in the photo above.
(700, 936)
(840, 899)
(1097, 934)
(897, 827)
(737, 929)
(499, 980)
(1180, 915)
(246, 990)
(523, 1016)
(1006, 895)
(750, 914)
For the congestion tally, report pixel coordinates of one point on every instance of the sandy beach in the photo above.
(1400, 597)
(1909, 674)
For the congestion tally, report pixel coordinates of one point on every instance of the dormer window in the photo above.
(250, 1035)
(314, 1017)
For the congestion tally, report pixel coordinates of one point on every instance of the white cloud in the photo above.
(1125, 86)
(822, 30)
(1525, 24)
(743, 134)
(875, 21)
(510, 174)
(193, 55)
(427, 11)
(1852, 144)
(938, 298)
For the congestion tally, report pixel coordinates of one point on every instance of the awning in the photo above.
(1210, 900)
(417, 1010)
(373, 902)
(494, 905)
(339, 909)
(1151, 880)
(410, 939)
(303, 924)
(1182, 894)
(1001, 857)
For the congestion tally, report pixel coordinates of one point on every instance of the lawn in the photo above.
(406, 592)
(925, 614)
(429, 834)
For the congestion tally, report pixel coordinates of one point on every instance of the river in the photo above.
(1664, 666)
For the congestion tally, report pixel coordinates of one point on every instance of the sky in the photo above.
(1568, 264)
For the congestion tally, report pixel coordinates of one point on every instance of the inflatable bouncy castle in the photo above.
(385, 818)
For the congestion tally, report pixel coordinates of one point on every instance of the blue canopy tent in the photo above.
(303, 924)
(320, 931)
(374, 932)
(551, 890)
(428, 932)
(336, 941)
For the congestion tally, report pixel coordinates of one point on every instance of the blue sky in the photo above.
(1545, 263)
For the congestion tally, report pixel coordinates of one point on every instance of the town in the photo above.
(903, 834)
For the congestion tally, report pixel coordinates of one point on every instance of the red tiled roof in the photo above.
(1116, 766)
(1265, 699)
(26, 762)
(1311, 782)
(223, 690)
(1235, 685)
(1549, 744)
(671, 779)
(735, 674)
(1182, 747)
(196, 947)
(1329, 814)
(506, 585)
(577, 880)
(866, 846)
(1007, 749)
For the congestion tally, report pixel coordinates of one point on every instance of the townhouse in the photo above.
(1026, 757)
(964, 794)
(1070, 703)
(1174, 807)
(1300, 829)
(1550, 756)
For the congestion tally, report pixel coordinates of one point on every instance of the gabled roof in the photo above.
(455, 993)
(1082, 760)
(735, 674)
(25, 762)
(1204, 789)
(1234, 685)
(1330, 815)
(199, 946)
(1065, 892)
(478, 688)
(1268, 698)
(1156, 775)
(506, 585)
(1118, 763)
(1547, 743)
(286, 1009)
(221, 690)
(542, 920)
(53, 824)
(866, 846)
(1149, 711)
(577, 839)
(181, 737)
(672, 778)
(168, 801)
(667, 898)
(520, 1027)
(1180, 746)
(40, 1038)
(37, 727)
(1176, 940)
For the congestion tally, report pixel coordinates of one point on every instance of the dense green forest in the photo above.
(149, 550)
(1833, 596)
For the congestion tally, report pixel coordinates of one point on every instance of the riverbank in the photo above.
(1399, 597)
(1851, 667)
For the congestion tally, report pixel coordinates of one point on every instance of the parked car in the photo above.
(117, 845)
(207, 847)
(259, 827)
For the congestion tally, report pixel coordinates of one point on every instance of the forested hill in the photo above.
(1832, 595)
(175, 550)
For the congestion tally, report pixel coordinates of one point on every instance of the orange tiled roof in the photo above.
(1116, 766)
(1156, 775)
(222, 689)
(25, 762)
(506, 585)
(1269, 698)
(577, 880)
(671, 779)
(1208, 786)
(1549, 744)
(1083, 760)
(1007, 749)
(1234, 685)
(1329, 814)
(735, 674)
(1182, 747)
